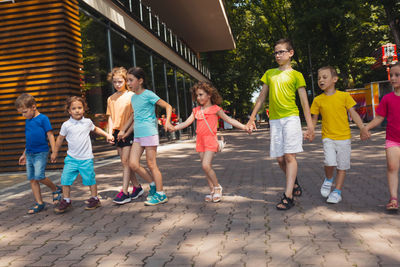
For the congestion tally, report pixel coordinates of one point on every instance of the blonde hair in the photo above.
(117, 71)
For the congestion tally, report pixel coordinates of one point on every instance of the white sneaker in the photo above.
(334, 198)
(326, 188)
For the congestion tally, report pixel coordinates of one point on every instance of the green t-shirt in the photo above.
(282, 92)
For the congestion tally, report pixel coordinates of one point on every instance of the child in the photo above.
(37, 128)
(146, 133)
(206, 115)
(119, 110)
(79, 159)
(285, 126)
(336, 136)
(389, 107)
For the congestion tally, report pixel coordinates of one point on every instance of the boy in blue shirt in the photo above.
(37, 130)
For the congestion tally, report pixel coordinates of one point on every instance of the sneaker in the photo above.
(122, 198)
(92, 203)
(152, 191)
(156, 199)
(326, 188)
(137, 192)
(334, 197)
(63, 206)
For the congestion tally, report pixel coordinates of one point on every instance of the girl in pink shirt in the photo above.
(208, 99)
(389, 107)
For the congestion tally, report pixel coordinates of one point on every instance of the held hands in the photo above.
(110, 138)
(53, 157)
(309, 134)
(365, 134)
(251, 126)
(168, 127)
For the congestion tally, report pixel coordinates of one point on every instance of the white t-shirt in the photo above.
(77, 135)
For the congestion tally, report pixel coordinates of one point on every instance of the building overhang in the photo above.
(202, 24)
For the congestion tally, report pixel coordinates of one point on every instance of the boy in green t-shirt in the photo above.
(285, 126)
(336, 136)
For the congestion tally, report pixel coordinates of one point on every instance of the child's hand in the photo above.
(110, 139)
(248, 129)
(364, 134)
(53, 157)
(121, 136)
(22, 160)
(251, 125)
(168, 127)
(309, 134)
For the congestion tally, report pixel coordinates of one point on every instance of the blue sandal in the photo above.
(57, 195)
(37, 208)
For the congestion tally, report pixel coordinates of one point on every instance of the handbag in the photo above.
(221, 142)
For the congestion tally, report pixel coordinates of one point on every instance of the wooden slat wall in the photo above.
(40, 54)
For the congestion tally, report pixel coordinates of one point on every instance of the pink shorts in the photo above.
(152, 140)
(206, 143)
(390, 143)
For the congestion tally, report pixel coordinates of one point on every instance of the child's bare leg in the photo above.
(134, 162)
(93, 190)
(151, 153)
(47, 182)
(209, 181)
(329, 170)
(66, 191)
(127, 174)
(393, 162)
(36, 191)
(340, 175)
(206, 164)
(291, 173)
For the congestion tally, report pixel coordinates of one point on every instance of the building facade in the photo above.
(56, 48)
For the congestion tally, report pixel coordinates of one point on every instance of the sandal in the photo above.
(297, 190)
(393, 204)
(36, 209)
(217, 196)
(209, 198)
(286, 202)
(57, 195)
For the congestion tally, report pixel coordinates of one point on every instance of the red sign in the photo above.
(389, 54)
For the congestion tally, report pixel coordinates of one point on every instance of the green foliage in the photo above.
(341, 33)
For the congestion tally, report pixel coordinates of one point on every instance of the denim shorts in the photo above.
(36, 165)
(73, 167)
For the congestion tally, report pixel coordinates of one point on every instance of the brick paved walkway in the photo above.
(243, 230)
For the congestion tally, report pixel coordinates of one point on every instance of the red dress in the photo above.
(206, 141)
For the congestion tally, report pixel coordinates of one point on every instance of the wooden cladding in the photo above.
(40, 54)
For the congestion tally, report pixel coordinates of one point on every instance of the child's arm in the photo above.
(365, 134)
(231, 121)
(168, 109)
(110, 125)
(260, 100)
(314, 119)
(99, 131)
(126, 129)
(58, 143)
(22, 159)
(307, 114)
(185, 124)
(52, 141)
(356, 118)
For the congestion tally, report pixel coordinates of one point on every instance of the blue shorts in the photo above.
(36, 165)
(73, 167)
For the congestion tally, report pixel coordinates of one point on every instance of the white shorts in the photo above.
(286, 136)
(337, 153)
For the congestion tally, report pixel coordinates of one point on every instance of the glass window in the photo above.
(95, 63)
(121, 50)
(172, 97)
(143, 61)
(136, 9)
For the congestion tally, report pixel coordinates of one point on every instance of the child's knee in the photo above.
(206, 167)
(134, 165)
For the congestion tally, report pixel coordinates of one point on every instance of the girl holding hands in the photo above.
(206, 115)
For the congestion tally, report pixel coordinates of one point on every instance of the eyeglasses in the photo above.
(280, 52)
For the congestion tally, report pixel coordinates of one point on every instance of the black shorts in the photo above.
(128, 141)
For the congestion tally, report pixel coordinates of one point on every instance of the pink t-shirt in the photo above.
(389, 107)
(212, 118)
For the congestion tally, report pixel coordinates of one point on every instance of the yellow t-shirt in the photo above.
(333, 109)
(119, 108)
(282, 92)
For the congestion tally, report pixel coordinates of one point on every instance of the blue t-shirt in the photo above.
(36, 134)
(145, 113)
